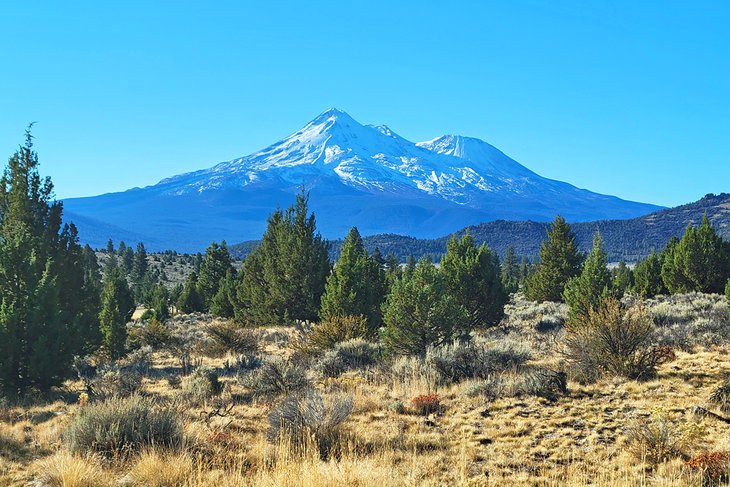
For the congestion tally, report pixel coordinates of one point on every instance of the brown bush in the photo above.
(426, 404)
(714, 465)
(326, 334)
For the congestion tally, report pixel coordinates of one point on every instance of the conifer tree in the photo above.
(117, 307)
(648, 277)
(559, 261)
(356, 286)
(159, 302)
(420, 312)
(111, 257)
(510, 272)
(216, 265)
(727, 293)
(140, 265)
(189, 300)
(472, 278)
(700, 261)
(584, 292)
(284, 278)
(393, 269)
(622, 279)
(37, 336)
(223, 303)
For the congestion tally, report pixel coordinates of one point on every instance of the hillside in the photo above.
(629, 240)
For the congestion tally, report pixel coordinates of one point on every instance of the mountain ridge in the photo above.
(357, 175)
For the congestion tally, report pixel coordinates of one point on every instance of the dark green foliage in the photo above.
(648, 277)
(223, 303)
(356, 286)
(420, 312)
(117, 307)
(584, 292)
(189, 300)
(510, 272)
(159, 303)
(700, 261)
(560, 260)
(284, 278)
(140, 265)
(120, 427)
(622, 279)
(40, 328)
(727, 293)
(214, 268)
(472, 277)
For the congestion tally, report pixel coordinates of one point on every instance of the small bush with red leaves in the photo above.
(714, 465)
(426, 404)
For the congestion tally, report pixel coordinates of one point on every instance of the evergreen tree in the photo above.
(117, 307)
(622, 279)
(648, 277)
(472, 278)
(420, 312)
(126, 258)
(356, 286)
(727, 293)
(216, 265)
(140, 265)
(560, 260)
(111, 256)
(37, 334)
(284, 278)
(525, 273)
(393, 270)
(510, 272)
(159, 303)
(189, 300)
(700, 261)
(584, 292)
(223, 303)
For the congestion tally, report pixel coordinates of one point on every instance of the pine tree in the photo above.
(559, 261)
(510, 272)
(189, 300)
(648, 277)
(117, 307)
(159, 303)
(284, 278)
(472, 278)
(111, 256)
(419, 312)
(216, 265)
(356, 286)
(727, 293)
(584, 292)
(393, 270)
(37, 338)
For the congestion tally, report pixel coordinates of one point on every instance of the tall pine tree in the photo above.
(216, 265)
(117, 307)
(584, 292)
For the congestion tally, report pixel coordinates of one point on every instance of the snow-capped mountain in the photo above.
(358, 175)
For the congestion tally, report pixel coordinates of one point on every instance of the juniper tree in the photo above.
(420, 312)
(621, 279)
(584, 292)
(560, 260)
(189, 300)
(223, 304)
(39, 330)
(216, 265)
(356, 286)
(648, 277)
(510, 271)
(472, 278)
(284, 278)
(117, 307)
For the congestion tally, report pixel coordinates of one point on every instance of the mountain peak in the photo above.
(333, 115)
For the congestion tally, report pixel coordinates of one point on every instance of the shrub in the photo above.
(300, 419)
(721, 396)
(120, 426)
(275, 378)
(657, 439)
(469, 360)
(201, 385)
(426, 404)
(153, 333)
(491, 388)
(714, 466)
(543, 382)
(327, 333)
(112, 381)
(352, 354)
(397, 407)
(228, 337)
(612, 340)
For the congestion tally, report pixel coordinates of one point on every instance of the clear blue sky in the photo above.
(621, 97)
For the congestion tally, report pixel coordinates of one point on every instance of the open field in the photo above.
(482, 432)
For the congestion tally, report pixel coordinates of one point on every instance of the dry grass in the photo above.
(580, 438)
